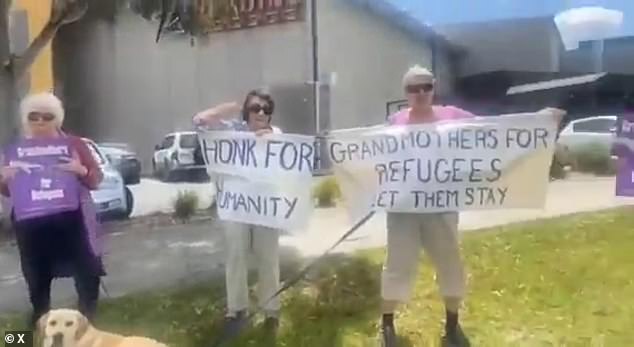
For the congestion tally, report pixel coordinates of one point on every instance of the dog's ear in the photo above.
(82, 326)
(40, 326)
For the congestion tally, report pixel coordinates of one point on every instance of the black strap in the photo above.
(294, 280)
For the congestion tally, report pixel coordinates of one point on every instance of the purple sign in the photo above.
(39, 188)
(624, 149)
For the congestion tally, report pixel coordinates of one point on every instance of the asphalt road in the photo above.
(146, 258)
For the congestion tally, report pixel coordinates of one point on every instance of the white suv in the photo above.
(179, 152)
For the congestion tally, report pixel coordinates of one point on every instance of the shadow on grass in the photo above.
(341, 295)
(336, 305)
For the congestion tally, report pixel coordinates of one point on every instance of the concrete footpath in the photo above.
(147, 258)
(564, 197)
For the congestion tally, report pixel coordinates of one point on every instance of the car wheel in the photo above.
(155, 171)
(134, 180)
(166, 173)
(129, 203)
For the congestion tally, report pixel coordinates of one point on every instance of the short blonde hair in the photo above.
(416, 75)
(44, 103)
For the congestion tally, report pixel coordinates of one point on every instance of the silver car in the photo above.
(113, 198)
(586, 131)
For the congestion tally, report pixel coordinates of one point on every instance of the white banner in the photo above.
(272, 205)
(479, 163)
(268, 157)
(262, 180)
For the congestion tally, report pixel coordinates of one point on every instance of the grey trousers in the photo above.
(242, 240)
(437, 234)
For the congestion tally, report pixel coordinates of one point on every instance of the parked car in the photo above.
(178, 153)
(582, 132)
(112, 198)
(119, 145)
(125, 161)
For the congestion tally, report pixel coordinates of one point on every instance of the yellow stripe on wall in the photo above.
(42, 70)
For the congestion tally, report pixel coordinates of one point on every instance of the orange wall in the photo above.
(42, 70)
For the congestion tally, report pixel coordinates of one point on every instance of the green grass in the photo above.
(561, 282)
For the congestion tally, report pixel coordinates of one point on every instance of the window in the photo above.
(167, 142)
(189, 141)
(599, 125)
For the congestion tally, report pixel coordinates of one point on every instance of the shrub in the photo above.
(595, 159)
(185, 205)
(327, 192)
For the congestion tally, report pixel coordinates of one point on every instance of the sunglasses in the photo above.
(256, 108)
(46, 117)
(417, 88)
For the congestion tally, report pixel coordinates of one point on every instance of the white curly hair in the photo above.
(416, 75)
(43, 103)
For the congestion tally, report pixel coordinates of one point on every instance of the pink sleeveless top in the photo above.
(440, 113)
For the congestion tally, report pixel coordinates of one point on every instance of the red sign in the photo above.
(226, 15)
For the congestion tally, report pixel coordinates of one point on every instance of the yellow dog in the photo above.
(69, 328)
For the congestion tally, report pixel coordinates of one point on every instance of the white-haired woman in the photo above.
(436, 233)
(47, 176)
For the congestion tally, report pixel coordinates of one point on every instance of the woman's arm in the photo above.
(4, 181)
(4, 189)
(216, 114)
(94, 175)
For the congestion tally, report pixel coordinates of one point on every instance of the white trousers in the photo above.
(242, 240)
(437, 234)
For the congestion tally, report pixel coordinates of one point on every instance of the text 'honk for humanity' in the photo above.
(251, 152)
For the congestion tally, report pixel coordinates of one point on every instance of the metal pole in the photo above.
(8, 92)
(316, 83)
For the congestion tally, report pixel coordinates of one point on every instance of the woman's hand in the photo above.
(263, 132)
(216, 113)
(555, 112)
(74, 165)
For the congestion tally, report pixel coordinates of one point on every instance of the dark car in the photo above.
(125, 161)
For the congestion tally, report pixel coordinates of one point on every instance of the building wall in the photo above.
(613, 56)
(367, 57)
(531, 44)
(119, 85)
(617, 55)
(41, 74)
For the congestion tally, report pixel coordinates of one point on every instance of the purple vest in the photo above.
(40, 189)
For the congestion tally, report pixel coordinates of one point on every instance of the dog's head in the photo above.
(62, 328)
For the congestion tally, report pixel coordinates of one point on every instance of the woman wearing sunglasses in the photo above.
(51, 207)
(242, 238)
(436, 233)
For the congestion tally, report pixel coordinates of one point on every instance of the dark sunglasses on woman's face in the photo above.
(417, 88)
(256, 108)
(46, 117)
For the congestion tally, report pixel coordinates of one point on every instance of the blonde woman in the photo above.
(51, 207)
(436, 233)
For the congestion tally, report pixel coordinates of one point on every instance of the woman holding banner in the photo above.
(436, 233)
(47, 176)
(242, 238)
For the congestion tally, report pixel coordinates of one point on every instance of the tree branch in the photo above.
(70, 12)
(5, 53)
(22, 63)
